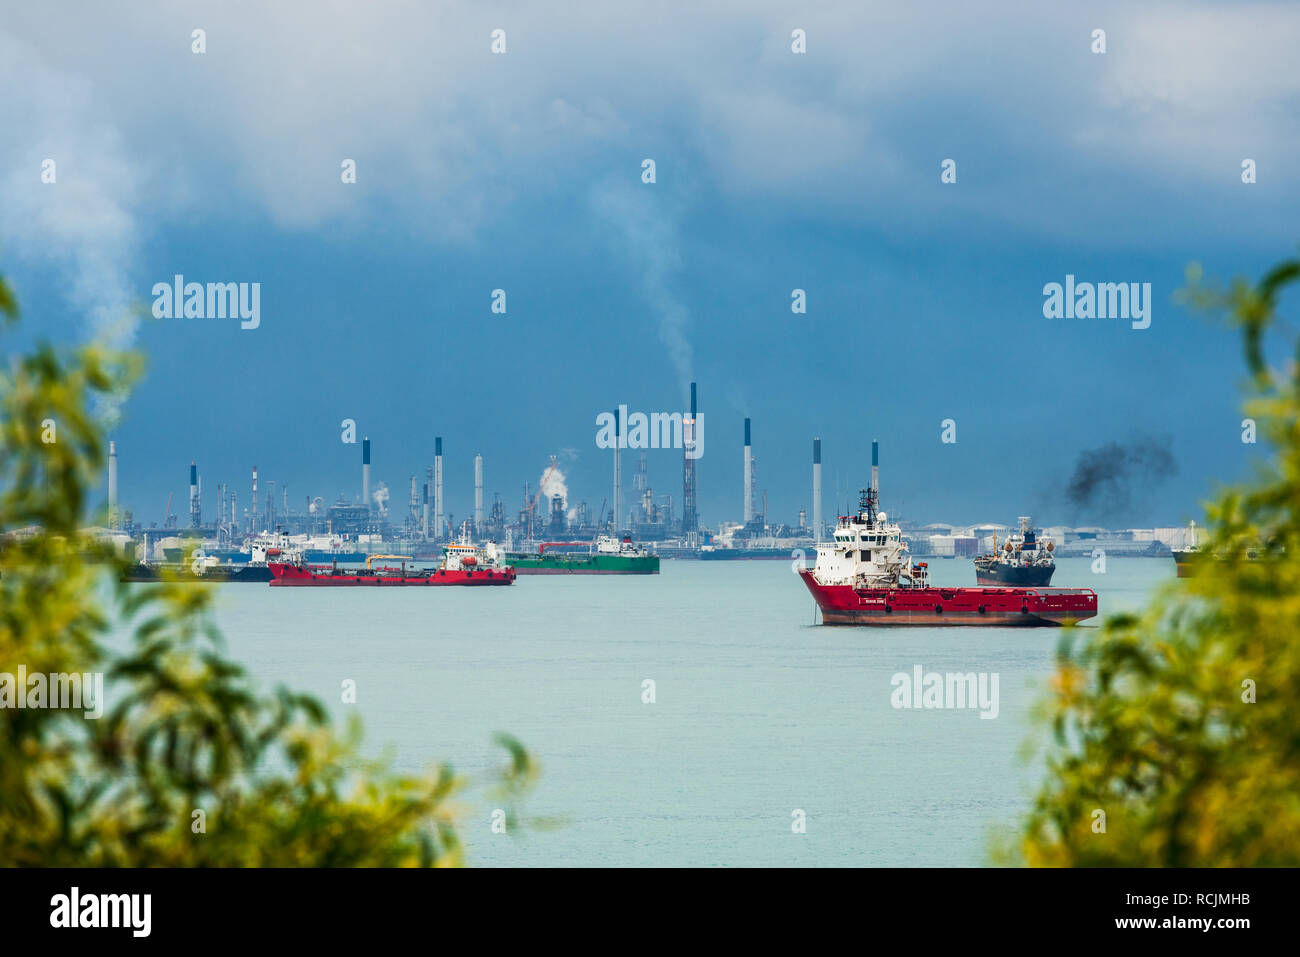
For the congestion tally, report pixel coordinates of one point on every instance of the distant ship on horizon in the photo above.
(1023, 561)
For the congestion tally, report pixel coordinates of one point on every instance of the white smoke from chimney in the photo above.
(651, 239)
(380, 498)
(553, 484)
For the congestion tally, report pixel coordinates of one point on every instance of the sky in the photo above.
(774, 171)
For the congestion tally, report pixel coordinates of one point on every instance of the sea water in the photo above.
(770, 740)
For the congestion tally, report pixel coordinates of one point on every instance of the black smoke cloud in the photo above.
(1113, 479)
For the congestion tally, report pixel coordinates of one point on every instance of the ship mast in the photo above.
(867, 505)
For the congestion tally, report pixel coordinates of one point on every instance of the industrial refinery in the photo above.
(349, 530)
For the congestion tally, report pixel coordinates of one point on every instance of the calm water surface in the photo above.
(758, 713)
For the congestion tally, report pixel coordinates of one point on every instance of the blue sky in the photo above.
(775, 171)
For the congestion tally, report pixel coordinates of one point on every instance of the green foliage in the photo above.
(185, 730)
(1152, 716)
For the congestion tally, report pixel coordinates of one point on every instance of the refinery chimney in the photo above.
(817, 490)
(194, 495)
(428, 486)
(365, 472)
(749, 477)
(437, 487)
(112, 485)
(690, 522)
(252, 518)
(875, 469)
(618, 472)
(478, 493)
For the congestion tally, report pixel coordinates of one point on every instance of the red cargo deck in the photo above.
(935, 605)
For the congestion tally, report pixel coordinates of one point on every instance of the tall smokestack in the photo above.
(112, 485)
(194, 495)
(478, 493)
(414, 503)
(365, 472)
(437, 487)
(252, 519)
(875, 469)
(817, 490)
(618, 472)
(428, 487)
(749, 477)
(690, 521)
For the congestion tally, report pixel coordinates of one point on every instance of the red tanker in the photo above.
(463, 564)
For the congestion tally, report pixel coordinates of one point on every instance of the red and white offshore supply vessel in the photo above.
(462, 564)
(866, 577)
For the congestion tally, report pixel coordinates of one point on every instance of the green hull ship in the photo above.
(610, 557)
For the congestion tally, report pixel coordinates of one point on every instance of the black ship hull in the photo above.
(220, 573)
(1017, 576)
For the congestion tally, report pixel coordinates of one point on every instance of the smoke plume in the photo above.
(1113, 478)
(649, 236)
(553, 484)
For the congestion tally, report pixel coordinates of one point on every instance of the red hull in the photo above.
(935, 605)
(325, 575)
(568, 571)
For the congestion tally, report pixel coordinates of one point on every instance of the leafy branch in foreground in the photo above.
(189, 765)
(1175, 738)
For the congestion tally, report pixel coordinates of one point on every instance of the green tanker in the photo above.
(609, 557)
